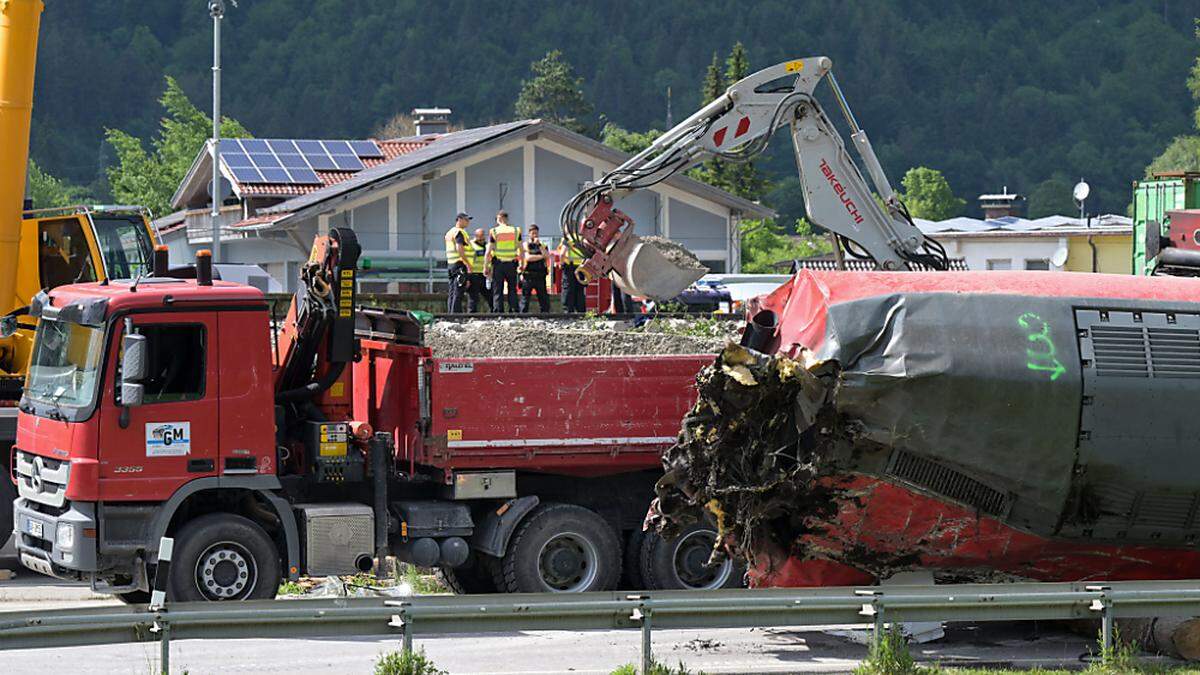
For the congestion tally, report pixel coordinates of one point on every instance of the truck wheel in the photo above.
(679, 563)
(632, 562)
(474, 576)
(561, 548)
(222, 556)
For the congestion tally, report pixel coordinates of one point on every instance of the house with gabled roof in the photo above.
(400, 196)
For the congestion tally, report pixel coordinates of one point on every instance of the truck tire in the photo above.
(632, 561)
(223, 556)
(561, 548)
(477, 575)
(678, 563)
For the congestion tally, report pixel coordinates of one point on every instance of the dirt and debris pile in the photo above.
(753, 452)
(586, 336)
(678, 255)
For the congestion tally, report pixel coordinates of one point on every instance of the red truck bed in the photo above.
(584, 416)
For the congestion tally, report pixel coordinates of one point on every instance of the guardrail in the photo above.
(437, 615)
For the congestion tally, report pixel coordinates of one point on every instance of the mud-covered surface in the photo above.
(677, 254)
(754, 453)
(586, 336)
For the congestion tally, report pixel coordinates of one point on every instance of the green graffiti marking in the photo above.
(1045, 357)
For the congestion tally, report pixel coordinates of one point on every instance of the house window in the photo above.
(714, 266)
(1040, 264)
(999, 263)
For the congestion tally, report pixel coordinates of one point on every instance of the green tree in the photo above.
(927, 195)
(1183, 154)
(1052, 197)
(765, 245)
(741, 179)
(631, 142)
(555, 94)
(151, 178)
(47, 192)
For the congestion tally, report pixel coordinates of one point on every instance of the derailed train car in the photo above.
(979, 425)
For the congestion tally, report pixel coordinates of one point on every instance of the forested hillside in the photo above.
(992, 94)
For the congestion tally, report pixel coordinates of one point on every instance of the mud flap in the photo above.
(492, 535)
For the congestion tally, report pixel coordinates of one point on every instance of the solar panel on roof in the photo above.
(275, 175)
(254, 145)
(281, 146)
(348, 162)
(237, 159)
(293, 161)
(338, 147)
(304, 177)
(321, 162)
(264, 160)
(366, 149)
(246, 174)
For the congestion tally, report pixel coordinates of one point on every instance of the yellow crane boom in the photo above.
(19, 23)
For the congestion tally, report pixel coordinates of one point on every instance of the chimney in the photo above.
(431, 120)
(1001, 205)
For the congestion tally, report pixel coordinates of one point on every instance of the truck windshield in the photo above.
(125, 244)
(65, 366)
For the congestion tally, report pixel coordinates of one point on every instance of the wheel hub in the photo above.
(225, 571)
(567, 563)
(691, 562)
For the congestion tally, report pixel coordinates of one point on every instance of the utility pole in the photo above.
(216, 9)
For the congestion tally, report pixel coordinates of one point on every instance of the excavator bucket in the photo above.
(650, 269)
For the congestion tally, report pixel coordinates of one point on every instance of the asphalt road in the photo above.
(774, 650)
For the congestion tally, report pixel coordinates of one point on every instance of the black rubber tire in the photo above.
(570, 527)
(224, 532)
(631, 568)
(8, 492)
(477, 575)
(658, 562)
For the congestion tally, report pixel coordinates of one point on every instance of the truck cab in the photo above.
(102, 451)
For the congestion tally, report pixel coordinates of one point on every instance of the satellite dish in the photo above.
(1081, 191)
(1060, 257)
(225, 188)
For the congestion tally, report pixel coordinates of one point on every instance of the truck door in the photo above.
(148, 451)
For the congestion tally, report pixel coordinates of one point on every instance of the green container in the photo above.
(1152, 199)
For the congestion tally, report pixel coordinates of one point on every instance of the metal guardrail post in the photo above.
(1103, 604)
(164, 644)
(873, 609)
(403, 620)
(641, 613)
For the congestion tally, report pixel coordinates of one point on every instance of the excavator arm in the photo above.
(737, 127)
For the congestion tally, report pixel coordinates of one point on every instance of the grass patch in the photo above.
(421, 581)
(407, 663)
(656, 668)
(291, 588)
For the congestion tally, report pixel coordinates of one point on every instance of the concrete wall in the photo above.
(557, 179)
(370, 223)
(704, 233)
(495, 184)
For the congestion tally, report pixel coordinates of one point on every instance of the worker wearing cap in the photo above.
(570, 258)
(477, 280)
(458, 263)
(504, 255)
(534, 272)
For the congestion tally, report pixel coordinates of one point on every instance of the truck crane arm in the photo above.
(737, 127)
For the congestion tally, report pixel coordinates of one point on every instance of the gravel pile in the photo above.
(577, 337)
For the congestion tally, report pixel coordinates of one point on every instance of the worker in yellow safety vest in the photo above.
(570, 258)
(477, 287)
(458, 263)
(504, 256)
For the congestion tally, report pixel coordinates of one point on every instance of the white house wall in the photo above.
(978, 251)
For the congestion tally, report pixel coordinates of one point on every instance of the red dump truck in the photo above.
(165, 408)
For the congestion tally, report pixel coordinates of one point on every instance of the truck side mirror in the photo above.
(133, 369)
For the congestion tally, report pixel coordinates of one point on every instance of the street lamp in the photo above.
(216, 9)
(1080, 193)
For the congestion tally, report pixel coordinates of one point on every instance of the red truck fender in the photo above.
(492, 535)
(263, 486)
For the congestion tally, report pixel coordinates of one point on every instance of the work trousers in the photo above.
(457, 288)
(534, 280)
(621, 303)
(504, 283)
(573, 298)
(477, 290)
